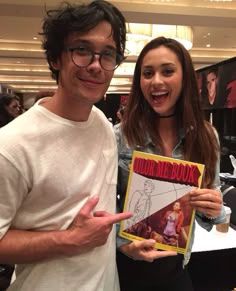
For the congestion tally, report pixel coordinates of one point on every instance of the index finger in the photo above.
(114, 218)
(162, 254)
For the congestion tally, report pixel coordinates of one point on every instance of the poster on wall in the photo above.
(217, 85)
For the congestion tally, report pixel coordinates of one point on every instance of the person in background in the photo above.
(163, 116)
(211, 80)
(119, 114)
(58, 161)
(10, 108)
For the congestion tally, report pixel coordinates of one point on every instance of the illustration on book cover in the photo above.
(158, 196)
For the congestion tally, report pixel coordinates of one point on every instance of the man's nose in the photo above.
(96, 63)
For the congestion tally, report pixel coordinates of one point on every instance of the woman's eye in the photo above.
(168, 72)
(147, 74)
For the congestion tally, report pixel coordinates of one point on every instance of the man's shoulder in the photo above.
(16, 131)
(100, 119)
(15, 124)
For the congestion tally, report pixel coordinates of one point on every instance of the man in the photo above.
(58, 161)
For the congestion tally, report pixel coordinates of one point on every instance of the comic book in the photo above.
(158, 196)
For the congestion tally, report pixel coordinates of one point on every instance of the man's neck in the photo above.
(68, 108)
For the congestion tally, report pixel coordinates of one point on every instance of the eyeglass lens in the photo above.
(84, 57)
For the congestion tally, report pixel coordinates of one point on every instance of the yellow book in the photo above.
(158, 196)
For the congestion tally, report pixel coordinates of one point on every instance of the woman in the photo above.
(172, 221)
(9, 108)
(119, 114)
(163, 116)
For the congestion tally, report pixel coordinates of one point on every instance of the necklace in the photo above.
(167, 116)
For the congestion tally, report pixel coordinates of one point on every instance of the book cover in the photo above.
(158, 196)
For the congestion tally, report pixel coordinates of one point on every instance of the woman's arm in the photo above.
(180, 221)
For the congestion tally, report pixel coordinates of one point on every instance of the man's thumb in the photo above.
(89, 205)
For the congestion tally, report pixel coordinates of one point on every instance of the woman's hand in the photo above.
(207, 201)
(144, 250)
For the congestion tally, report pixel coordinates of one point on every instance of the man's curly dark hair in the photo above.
(60, 23)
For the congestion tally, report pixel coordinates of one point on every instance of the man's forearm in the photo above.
(19, 246)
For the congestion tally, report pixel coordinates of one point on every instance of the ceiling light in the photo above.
(138, 35)
(140, 30)
(182, 34)
(159, 0)
(219, 0)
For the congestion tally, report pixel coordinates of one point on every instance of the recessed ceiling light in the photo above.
(208, 45)
(35, 38)
(159, 0)
(219, 0)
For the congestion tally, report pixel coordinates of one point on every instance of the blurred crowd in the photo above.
(10, 108)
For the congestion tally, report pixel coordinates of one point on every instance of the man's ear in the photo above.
(56, 65)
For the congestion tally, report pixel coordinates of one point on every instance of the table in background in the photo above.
(213, 261)
(227, 178)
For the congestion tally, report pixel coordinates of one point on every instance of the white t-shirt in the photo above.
(49, 166)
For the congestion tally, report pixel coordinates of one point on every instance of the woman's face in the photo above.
(161, 79)
(13, 108)
(118, 115)
(176, 206)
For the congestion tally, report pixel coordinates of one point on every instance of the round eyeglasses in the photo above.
(83, 57)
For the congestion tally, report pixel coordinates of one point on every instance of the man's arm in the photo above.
(85, 233)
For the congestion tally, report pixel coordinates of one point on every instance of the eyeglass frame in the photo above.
(93, 53)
